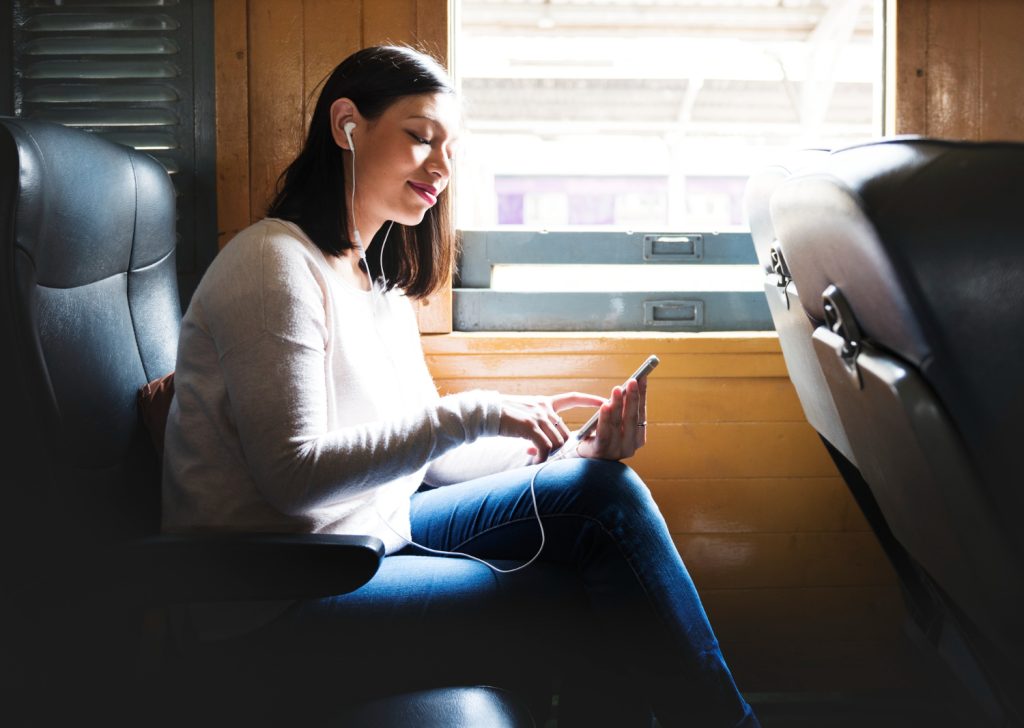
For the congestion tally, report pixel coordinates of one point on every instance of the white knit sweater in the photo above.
(303, 404)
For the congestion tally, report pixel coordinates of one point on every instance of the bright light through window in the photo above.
(651, 114)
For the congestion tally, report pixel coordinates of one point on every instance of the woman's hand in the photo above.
(536, 419)
(621, 424)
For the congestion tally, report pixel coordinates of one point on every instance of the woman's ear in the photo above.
(342, 112)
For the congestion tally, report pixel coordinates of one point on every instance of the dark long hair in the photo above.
(311, 191)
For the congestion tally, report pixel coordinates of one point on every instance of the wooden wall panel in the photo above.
(1002, 68)
(332, 30)
(957, 68)
(232, 109)
(276, 102)
(433, 27)
(953, 70)
(757, 505)
(393, 21)
(795, 560)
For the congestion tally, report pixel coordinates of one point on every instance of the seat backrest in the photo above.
(910, 262)
(791, 323)
(90, 313)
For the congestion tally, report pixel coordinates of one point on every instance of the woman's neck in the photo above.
(347, 266)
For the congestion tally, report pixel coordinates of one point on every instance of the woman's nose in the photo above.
(439, 164)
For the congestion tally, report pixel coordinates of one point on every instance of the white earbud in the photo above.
(349, 126)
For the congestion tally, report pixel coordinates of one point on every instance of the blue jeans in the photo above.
(608, 611)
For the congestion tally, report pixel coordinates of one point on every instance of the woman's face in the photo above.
(403, 159)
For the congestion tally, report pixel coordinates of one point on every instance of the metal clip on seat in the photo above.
(840, 320)
(781, 271)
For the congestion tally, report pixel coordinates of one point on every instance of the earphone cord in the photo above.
(359, 238)
(498, 569)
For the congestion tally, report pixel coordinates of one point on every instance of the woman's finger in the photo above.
(555, 434)
(611, 443)
(641, 430)
(541, 441)
(560, 425)
(568, 400)
(631, 423)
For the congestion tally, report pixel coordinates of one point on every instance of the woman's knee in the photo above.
(600, 487)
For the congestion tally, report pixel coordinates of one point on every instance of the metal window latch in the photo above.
(781, 271)
(685, 248)
(840, 320)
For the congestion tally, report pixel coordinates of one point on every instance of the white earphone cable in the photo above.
(492, 567)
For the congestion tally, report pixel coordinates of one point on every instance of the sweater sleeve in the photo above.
(475, 460)
(272, 356)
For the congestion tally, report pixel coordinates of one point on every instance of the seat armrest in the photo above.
(188, 568)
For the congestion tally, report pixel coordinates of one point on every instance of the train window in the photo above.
(136, 72)
(608, 143)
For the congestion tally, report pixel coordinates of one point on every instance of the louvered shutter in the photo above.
(135, 72)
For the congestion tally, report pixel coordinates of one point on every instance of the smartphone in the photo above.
(584, 432)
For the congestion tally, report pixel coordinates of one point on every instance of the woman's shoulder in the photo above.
(264, 279)
(279, 239)
(266, 257)
(268, 252)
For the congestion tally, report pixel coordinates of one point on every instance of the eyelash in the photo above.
(420, 140)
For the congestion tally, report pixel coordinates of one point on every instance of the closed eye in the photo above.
(419, 139)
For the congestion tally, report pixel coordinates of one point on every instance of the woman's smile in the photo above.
(427, 192)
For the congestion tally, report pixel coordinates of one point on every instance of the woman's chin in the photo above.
(411, 219)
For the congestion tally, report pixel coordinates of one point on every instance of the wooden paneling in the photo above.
(276, 102)
(1001, 92)
(795, 560)
(332, 30)
(757, 505)
(433, 27)
(232, 109)
(953, 70)
(957, 68)
(393, 21)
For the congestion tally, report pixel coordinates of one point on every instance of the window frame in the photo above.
(478, 307)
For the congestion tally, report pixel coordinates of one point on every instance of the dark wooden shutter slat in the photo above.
(96, 22)
(75, 116)
(78, 93)
(106, 45)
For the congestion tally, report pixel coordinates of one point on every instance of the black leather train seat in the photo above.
(908, 254)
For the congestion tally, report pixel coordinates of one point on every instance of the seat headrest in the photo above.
(88, 185)
(758, 192)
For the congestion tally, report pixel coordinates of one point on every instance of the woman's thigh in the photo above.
(424, 621)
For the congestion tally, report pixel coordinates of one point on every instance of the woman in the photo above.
(303, 404)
